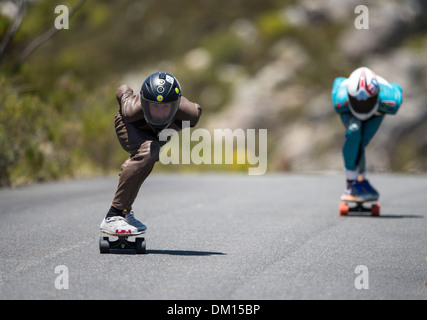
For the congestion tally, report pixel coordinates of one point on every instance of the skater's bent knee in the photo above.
(148, 153)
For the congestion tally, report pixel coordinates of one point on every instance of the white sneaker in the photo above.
(130, 218)
(118, 226)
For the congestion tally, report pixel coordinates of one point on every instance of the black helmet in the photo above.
(160, 98)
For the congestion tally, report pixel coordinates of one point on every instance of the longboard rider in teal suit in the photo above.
(362, 101)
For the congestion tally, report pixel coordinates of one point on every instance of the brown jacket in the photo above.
(137, 138)
(131, 110)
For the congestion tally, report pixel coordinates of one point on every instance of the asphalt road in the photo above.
(213, 236)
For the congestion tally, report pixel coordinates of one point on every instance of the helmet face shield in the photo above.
(159, 114)
(363, 106)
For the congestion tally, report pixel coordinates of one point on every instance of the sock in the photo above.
(351, 174)
(349, 182)
(113, 212)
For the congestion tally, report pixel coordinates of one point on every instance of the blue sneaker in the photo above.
(371, 193)
(130, 218)
(355, 193)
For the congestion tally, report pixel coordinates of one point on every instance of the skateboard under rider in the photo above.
(347, 207)
(122, 244)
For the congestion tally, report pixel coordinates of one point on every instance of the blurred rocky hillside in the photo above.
(290, 94)
(250, 64)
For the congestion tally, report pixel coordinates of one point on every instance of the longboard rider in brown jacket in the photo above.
(138, 123)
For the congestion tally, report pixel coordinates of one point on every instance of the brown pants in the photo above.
(144, 150)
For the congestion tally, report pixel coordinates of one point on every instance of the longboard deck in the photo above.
(347, 207)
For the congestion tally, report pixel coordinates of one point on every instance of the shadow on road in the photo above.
(184, 252)
(402, 216)
(387, 216)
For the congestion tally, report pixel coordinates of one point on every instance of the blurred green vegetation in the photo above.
(57, 108)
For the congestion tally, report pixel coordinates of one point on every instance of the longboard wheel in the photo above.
(104, 245)
(141, 246)
(344, 209)
(376, 210)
